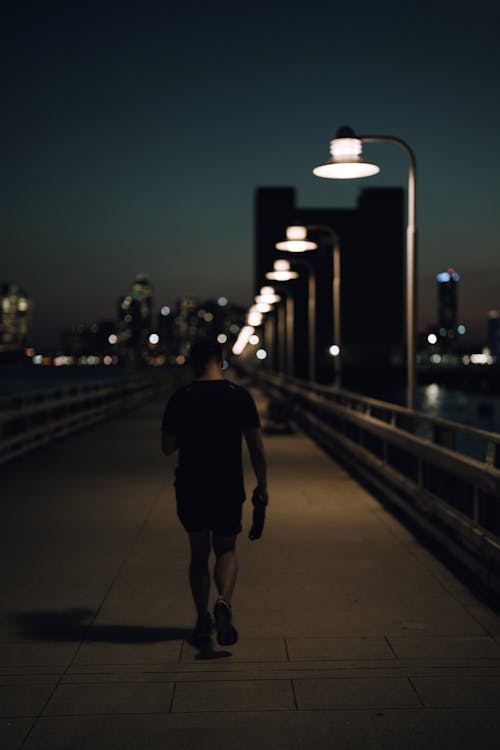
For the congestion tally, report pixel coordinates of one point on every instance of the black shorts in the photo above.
(201, 507)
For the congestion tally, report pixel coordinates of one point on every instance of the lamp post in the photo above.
(267, 297)
(297, 242)
(334, 240)
(346, 163)
(282, 273)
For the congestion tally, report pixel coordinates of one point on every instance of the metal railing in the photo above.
(29, 420)
(444, 475)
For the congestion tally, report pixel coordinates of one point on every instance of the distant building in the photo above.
(191, 318)
(14, 319)
(371, 239)
(494, 333)
(85, 340)
(447, 324)
(135, 315)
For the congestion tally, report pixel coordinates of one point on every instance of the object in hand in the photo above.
(259, 502)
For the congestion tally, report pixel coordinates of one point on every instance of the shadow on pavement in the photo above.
(74, 625)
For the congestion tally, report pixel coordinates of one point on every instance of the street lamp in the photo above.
(296, 242)
(281, 273)
(346, 163)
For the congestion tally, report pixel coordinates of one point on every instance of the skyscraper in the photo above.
(14, 317)
(494, 333)
(135, 317)
(447, 282)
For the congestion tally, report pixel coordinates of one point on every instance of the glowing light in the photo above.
(346, 162)
(154, 338)
(108, 360)
(281, 271)
(222, 301)
(22, 305)
(254, 318)
(349, 171)
(448, 275)
(208, 317)
(165, 310)
(180, 359)
(436, 358)
(432, 338)
(242, 339)
(296, 241)
(334, 350)
(263, 307)
(267, 296)
(282, 275)
(461, 330)
(222, 338)
(112, 338)
(254, 339)
(261, 354)
(481, 359)
(281, 265)
(432, 393)
(225, 364)
(466, 359)
(62, 360)
(37, 359)
(234, 328)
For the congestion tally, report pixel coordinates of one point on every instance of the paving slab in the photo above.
(459, 691)
(21, 654)
(13, 731)
(362, 693)
(116, 697)
(129, 653)
(450, 647)
(339, 648)
(23, 700)
(242, 695)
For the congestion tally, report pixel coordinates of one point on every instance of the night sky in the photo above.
(134, 136)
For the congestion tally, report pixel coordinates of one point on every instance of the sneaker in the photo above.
(226, 632)
(203, 628)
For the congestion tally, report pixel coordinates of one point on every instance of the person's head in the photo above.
(203, 353)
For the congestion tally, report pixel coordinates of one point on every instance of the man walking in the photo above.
(205, 421)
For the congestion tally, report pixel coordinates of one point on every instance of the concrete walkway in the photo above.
(351, 634)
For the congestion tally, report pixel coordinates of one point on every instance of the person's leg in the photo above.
(226, 565)
(199, 576)
(226, 569)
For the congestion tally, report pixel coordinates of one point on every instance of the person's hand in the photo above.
(259, 502)
(260, 493)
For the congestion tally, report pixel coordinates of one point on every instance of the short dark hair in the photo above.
(202, 352)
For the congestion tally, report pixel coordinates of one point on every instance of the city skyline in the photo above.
(134, 141)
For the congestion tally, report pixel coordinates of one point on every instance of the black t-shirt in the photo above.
(208, 418)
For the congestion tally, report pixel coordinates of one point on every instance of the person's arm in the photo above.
(169, 443)
(255, 445)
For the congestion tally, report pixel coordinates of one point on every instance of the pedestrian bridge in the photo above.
(352, 633)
